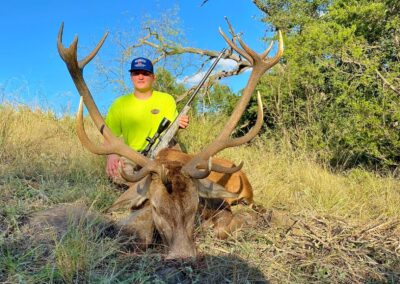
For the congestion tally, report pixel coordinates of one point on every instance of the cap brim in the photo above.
(141, 69)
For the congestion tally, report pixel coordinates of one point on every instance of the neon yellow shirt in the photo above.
(135, 119)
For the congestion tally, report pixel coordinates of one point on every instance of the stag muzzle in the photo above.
(183, 247)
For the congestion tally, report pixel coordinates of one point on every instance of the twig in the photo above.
(386, 82)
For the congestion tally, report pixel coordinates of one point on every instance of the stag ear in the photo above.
(134, 197)
(209, 189)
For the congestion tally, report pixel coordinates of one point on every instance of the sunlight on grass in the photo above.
(316, 225)
(294, 182)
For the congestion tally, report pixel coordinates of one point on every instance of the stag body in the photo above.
(172, 188)
(171, 208)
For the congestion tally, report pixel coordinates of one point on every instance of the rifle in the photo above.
(164, 139)
(165, 122)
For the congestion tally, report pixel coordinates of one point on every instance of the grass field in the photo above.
(316, 227)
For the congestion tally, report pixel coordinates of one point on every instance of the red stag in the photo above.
(168, 189)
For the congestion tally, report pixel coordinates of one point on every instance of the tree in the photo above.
(340, 95)
(160, 40)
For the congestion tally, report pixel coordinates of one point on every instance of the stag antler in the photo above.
(260, 64)
(112, 144)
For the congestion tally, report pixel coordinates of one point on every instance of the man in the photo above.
(137, 116)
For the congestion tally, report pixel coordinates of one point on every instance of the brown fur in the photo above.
(235, 183)
(174, 204)
(170, 207)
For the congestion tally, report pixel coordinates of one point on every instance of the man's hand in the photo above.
(183, 121)
(112, 165)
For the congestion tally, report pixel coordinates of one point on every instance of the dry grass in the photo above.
(293, 182)
(316, 226)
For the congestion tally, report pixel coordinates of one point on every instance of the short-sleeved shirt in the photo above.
(136, 119)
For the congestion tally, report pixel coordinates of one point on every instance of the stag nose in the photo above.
(182, 248)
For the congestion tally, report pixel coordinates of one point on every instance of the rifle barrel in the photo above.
(165, 138)
(206, 76)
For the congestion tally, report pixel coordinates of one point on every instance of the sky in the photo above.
(32, 72)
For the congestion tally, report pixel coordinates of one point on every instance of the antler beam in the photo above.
(112, 144)
(260, 64)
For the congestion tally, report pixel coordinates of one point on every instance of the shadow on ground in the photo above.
(209, 269)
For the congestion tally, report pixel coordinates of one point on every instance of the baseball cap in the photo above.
(141, 63)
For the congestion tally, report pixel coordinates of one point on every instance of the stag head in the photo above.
(173, 188)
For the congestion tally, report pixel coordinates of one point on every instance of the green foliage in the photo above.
(166, 82)
(327, 96)
(219, 99)
(292, 14)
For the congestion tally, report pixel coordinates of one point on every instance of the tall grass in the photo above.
(295, 182)
(316, 225)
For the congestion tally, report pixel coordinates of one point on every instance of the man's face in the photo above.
(142, 80)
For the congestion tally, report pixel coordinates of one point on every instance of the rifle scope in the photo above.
(163, 125)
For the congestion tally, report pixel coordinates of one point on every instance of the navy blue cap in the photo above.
(141, 63)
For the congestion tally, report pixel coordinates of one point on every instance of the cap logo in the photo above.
(155, 111)
(140, 63)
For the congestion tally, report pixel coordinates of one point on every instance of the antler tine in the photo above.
(251, 53)
(71, 52)
(196, 168)
(278, 54)
(70, 57)
(267, 51)
(256, 128)
(223, 140)
(203, 170)
(235, 47)
(225, 170)
(136, 176)
(113, 145)
(230, 26)
(228, 142)
(200, 171)
(219, 169)
(88, 58)
(143, 172)
(80, 131)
